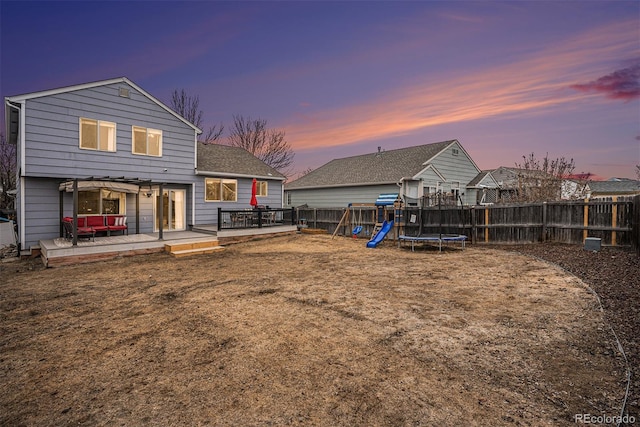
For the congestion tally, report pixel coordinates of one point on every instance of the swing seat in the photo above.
(357, 230)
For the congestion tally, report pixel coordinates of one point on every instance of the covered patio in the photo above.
(122, 184)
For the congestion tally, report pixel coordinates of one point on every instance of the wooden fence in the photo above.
(616, 222)
(635, 224)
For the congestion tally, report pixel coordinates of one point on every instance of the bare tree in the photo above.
(638, 172)
(542, 180)
(8, 172)
(306, 171)
(189, 107)
(269, 145)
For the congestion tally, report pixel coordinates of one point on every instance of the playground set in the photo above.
(390, 223)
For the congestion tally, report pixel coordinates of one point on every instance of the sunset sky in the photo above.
(342, 78)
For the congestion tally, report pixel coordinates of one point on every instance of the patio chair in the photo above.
(83, 231)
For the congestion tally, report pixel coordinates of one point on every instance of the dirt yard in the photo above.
(305, 330)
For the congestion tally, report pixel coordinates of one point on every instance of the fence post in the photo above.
(544, 222)
(293, 216)
(315, 217)
(585, 221)
(635, 223)
(486, 225)
(474, 230)
(219, 218)
(614, 219)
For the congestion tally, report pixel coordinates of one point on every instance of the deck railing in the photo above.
(229, 219)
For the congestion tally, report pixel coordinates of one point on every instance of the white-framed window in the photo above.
(101, 202)
(146, 141)
(455, 190)
(220, 190)
(97, 135)
(261, 189)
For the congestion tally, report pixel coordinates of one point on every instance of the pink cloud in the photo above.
(532, 85)
(622, 84)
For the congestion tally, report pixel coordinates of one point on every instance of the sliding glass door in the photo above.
(173, 210)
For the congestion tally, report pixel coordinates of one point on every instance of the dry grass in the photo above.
(304, 330)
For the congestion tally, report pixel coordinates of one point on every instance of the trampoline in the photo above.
(439, 238)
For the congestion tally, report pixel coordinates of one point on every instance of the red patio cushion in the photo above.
(70, 220)
(96, 222)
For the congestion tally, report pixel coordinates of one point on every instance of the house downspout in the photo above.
(194, 183)
(21, 170)
(161, 213)
(193, 204)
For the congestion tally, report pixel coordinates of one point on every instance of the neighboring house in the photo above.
(574, 186)
(517, 184)
(417, 173)
(486, 188)
(508, 183)
(130, 154)
(573, 189)
(614, 187)
(534, 185)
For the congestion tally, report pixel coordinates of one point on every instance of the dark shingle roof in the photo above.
(224, 159)
(475, 181)
(508, 177)
(620, 187)
(375, 168)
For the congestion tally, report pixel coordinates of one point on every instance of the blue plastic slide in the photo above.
(380, 235)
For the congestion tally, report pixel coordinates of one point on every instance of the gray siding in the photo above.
(207, 212)
(338, 197)
(431, 179)
(41, 211)
(458, 168)
(52, 135)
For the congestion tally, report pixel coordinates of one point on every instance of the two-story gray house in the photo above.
(121, 151)
(420, 175)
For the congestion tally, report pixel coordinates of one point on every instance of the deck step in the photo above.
(186, 245)
(196, 251)
(197, 247)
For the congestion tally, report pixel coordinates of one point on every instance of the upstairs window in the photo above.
(97, 135)
(146, 141)
(261, 189)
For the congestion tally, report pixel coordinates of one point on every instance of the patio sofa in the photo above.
(92, 224)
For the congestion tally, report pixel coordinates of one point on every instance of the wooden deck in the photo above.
(60, 251)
